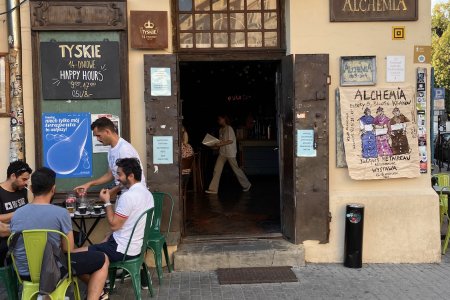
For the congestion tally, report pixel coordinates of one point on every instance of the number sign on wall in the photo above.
(80, 70)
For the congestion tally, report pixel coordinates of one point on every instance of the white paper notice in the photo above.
(162, 150)
(160, 80)
(395, 69)
(98, 147)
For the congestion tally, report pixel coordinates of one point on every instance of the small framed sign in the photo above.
(4, 86)
(358, 70)
(149, 29)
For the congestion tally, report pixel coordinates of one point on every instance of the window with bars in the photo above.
(228, 24)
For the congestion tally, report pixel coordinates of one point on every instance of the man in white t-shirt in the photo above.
(132, 203)
(227, 152)
(106, 133)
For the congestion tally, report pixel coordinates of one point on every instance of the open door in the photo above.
(285, 85)
(311, 173)
(162, 132)
(303, 105)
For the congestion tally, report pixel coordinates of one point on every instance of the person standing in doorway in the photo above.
(227, 152)
(106, 133)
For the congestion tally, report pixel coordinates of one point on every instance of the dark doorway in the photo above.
(247, 92)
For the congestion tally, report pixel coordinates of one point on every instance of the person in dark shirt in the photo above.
(13, 194)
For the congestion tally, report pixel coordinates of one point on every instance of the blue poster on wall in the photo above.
(67, 142)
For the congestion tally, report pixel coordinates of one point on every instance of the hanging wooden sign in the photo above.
(148, 29)
(373, 10)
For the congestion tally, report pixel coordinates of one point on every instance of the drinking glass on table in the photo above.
(91, 204)
(71, 203)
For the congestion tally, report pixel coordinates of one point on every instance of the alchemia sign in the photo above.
(373, 10)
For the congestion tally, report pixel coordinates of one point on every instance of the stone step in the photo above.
(211, 255)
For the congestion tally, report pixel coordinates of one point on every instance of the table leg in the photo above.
(88, 234)
(80, 228)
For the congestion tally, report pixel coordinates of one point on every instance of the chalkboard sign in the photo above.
(80, 70)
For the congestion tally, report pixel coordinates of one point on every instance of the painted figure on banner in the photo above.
(368, 137)
(379, 145)
(398, 133)
(382, 130)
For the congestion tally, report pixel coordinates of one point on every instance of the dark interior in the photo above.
(246, 92)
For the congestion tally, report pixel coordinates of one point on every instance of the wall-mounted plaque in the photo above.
(80, 70)
(148, 29)
(358, 70)
(373, 10)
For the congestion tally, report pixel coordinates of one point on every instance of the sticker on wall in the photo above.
(398, 33)
(67, 144)
(422, 54)
(421, 104)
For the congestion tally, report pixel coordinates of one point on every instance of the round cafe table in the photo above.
(84, 229)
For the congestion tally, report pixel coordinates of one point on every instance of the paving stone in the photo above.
(316, 281)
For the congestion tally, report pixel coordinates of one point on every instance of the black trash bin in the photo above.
(354, 227)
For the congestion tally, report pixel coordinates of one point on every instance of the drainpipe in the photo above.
(17, 128)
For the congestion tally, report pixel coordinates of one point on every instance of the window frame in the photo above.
(280, 30)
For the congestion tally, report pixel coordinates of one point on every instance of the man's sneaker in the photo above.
(211, 192)
(104, 295)
(247, 188)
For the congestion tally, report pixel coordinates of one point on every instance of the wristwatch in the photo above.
(108, 204)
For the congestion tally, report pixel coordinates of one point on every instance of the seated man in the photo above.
(91, 267)
(131, 204)
(13, 194)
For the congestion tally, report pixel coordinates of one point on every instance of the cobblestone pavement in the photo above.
(316, 281)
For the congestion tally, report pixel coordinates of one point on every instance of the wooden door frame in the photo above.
(230, 57)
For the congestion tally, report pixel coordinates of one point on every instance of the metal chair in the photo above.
(157, 241)
(133, 266)
(34, 242)
(9, 279)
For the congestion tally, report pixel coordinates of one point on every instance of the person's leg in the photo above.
(243, 180)
(92, 268)
(109, 248)
(220, 162)
(97, 281)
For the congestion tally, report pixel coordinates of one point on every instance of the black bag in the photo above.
(54, 265)
(50, 269)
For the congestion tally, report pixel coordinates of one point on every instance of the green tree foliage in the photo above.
(440, 25)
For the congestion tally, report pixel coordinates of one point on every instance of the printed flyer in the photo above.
(380, 132)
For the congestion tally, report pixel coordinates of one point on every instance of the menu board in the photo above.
(80, 70)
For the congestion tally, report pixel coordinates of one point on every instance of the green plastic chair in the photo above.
(157, 241)
(133, 266)
(9, 279)
(447, 238)
(443, 179)
(35, 241)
